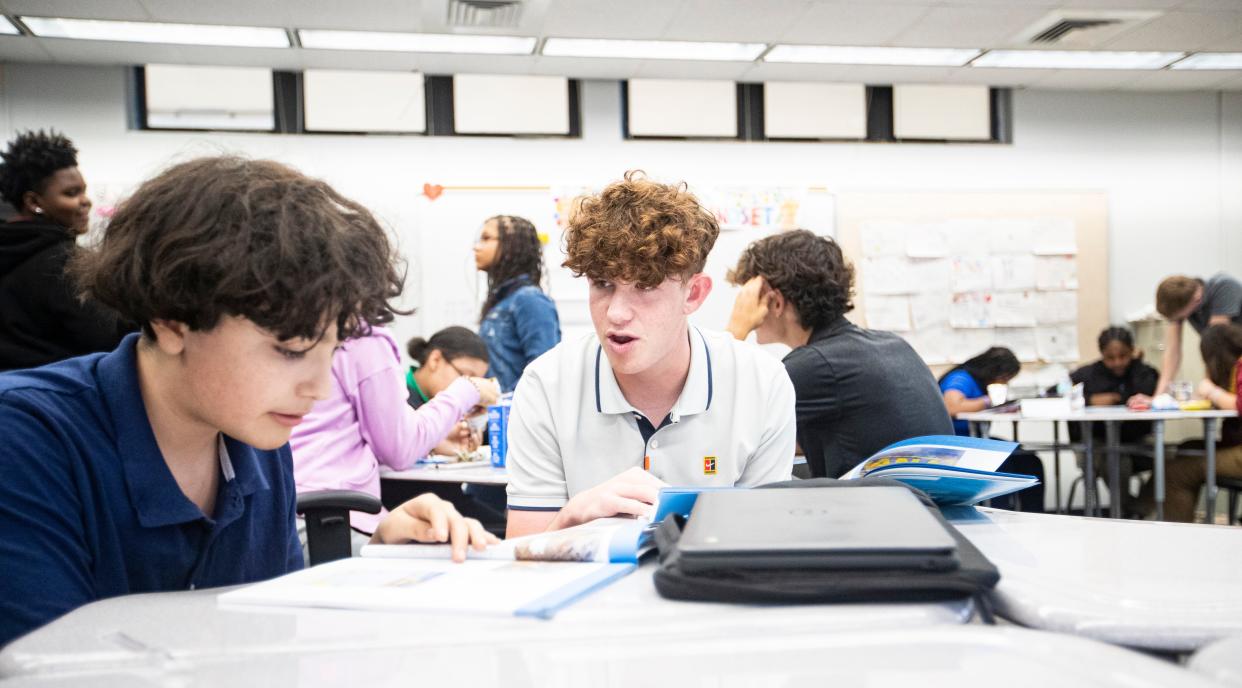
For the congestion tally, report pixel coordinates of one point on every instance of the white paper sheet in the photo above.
(970, 343)
(884, 238)
(971, 310)
(886, 275)
(934, 275)
(972, 273)
(1055, 237)
(1056, 307)
(927, 241)
(932, 345)
(930, 309)
(1056, 273)
(888, 313)
(1057, 343)
(1012, 236)
(968, 237)
(1020, 340)
(1013, 272)
(1013, 309)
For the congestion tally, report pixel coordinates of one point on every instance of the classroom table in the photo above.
(933, 657)
(484, 474)
(1112, 416)
(1220, 661)
(1171, 587)
(189, 629)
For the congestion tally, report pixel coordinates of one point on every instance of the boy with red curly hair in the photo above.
(599, 424)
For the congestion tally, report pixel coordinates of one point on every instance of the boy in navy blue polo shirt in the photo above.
(165, 464)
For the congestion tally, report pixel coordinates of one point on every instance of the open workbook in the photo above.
(952, 470)
(535, 575)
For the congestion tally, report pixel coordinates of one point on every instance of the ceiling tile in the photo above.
(98, 9)
(684, 69)
(743, 21)
(969, 27)
(1184, 80)
(1179, 31)
(609, 18)
(840, 23)
(22, 49)
(376, 15)
(996, 77)
(1088, 79)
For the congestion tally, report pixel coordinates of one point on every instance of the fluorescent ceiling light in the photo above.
(1075, 59)
(867, 55)
(151, 32)
(416, 42)
(652, 50)
(1210, 61)
(7, 27)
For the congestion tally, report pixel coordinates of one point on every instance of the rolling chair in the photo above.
(327, 521)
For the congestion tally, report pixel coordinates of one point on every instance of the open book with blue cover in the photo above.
(536, 575)
(952, 470)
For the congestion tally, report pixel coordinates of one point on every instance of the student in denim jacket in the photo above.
(518, 320)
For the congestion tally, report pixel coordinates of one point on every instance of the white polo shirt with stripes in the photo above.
(570, 427)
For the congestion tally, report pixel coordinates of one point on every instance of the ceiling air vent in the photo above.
(494, 14)
(1081, 28)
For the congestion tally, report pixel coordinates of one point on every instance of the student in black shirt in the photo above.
(1114, 379)
(857, 390)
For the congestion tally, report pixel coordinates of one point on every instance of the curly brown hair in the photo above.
(639, 231)
(808, 270)
(221, 236)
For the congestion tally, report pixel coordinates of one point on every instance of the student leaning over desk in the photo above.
(1221, 346)
(600, 423)
(165, 465)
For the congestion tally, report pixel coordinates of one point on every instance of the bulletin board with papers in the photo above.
(955, 273)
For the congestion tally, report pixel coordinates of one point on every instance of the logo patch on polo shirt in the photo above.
(709, 465)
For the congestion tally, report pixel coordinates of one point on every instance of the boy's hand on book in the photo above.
(427, 518)
(631, 493)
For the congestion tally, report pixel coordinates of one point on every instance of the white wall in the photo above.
(1171, 164)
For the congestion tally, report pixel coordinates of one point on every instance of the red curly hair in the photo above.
(639, 231)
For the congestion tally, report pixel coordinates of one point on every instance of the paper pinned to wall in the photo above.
(886, 275)
(972, 273)
(1056, 307)
(935, 275)
(819, 213)
(929, 309)
(1056, 273)
(970, 343)
(1013, 272)
(927, 241)
(884, 239)
(971, 310)
(1012, 236)
(1055, 237)
(888, 313)
(932, 345)
(1057, 343)
(1013, 309)
(968, 237)
(1020, 340)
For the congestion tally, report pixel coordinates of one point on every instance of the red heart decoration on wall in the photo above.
(432, 191)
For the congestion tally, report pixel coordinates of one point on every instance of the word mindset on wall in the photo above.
(955, 287)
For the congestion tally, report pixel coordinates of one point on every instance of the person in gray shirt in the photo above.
(857, 390)
(1202, 303)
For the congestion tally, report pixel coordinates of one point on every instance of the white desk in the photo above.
(477, 475)
(946, 657)
(1222, 661)
(1162, 586)
(1111, 416)
(142, 632)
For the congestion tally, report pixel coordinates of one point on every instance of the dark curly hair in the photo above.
(221, 236)
(808, 270)
(1115, 333)
(31, 158)
(519, 254)
(639, 231)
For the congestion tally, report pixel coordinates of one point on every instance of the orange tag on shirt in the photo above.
(709, 465)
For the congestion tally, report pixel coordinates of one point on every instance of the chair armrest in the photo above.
(349, 500)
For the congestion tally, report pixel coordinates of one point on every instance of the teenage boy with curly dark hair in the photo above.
(857, 390)
(165, 464)
(600, 423)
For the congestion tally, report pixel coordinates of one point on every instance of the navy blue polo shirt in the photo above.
(89, 509)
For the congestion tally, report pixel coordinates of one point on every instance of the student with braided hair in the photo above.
(518, 321)
(41, 318)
